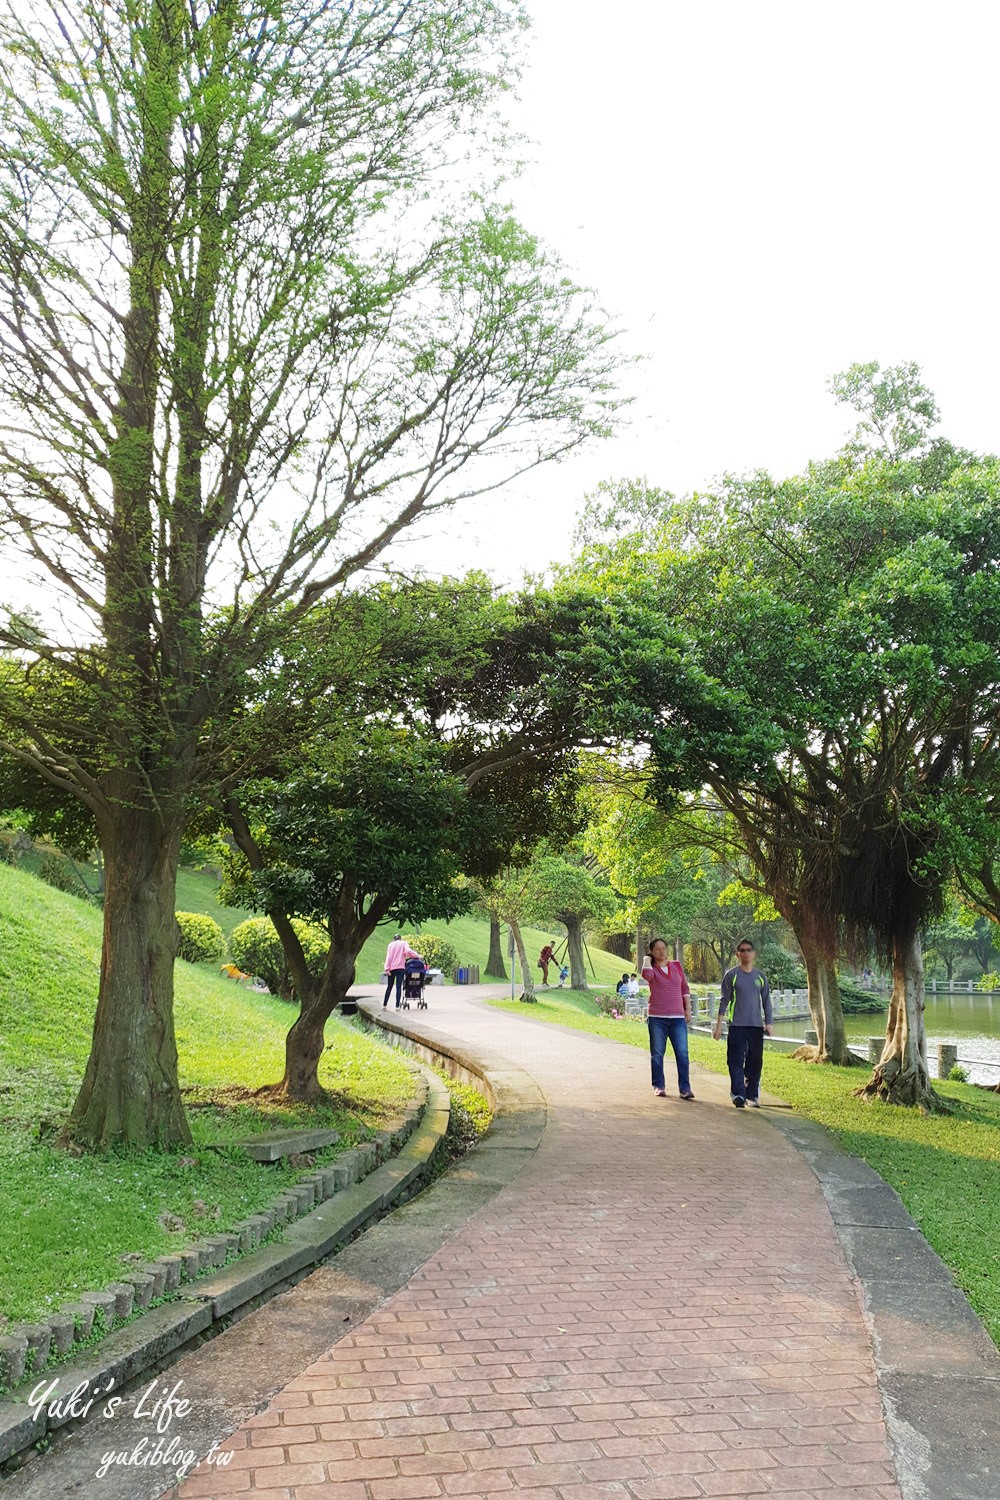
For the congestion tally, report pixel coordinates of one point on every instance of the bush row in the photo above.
(255, 948)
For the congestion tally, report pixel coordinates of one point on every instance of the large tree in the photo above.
(573, 892)
(510, 894)
(362, 833)
(252, 327)
(851, 618)
(646, 856)
(412, 738)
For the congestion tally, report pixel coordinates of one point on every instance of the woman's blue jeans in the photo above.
(674, 1029)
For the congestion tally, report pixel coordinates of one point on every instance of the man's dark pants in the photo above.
(395, 978)
(745, 1055)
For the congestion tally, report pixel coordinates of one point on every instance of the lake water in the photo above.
(971, 1021)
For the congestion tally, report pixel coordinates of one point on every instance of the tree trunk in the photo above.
(494, 964)
(577, 959)
(679, 950)
(817, 933)
(827, 1014)
(900, 1076)
(307, 1037)
(639, 949)
(130, 1093)
(527, 977)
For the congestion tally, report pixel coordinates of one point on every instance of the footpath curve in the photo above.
(656, 1306)
(611, 1296)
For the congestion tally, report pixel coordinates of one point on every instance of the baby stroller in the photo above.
(414, 980)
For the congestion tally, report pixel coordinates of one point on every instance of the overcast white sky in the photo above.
(761, 191)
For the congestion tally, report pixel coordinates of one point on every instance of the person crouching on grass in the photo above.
(747, 995)
(668, 1016)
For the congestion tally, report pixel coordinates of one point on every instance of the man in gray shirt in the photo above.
(746, 1004)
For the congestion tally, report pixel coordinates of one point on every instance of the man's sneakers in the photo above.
(753, 1104)
(738, 1100)
(660, 1093)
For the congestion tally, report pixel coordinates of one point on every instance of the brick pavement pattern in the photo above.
(657, 1307)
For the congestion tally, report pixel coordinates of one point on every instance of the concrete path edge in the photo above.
(938, 1370)
(146, 1342)
(518, 1103)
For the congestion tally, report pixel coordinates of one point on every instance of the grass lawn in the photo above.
(197, 890)
(946, 1168)
(68, 1221)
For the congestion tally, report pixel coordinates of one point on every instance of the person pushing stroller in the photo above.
(397, 955)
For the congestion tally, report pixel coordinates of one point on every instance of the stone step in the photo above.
(274, 1145)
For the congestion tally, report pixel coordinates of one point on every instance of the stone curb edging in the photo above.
(320, 1211)
(519, 1109)
(938, 1370)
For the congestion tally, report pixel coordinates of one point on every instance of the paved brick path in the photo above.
(657, 1307)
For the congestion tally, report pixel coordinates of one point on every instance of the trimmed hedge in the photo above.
(256, 947)
(436, 952)
(202, 939)
(859, 1002)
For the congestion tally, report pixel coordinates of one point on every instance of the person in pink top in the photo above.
(668, 1016)
(396, 955)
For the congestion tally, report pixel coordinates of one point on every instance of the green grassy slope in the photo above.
(197, 891)
(67, 1221)
(946, 1168)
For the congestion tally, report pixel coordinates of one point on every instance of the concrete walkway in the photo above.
(658, 1307)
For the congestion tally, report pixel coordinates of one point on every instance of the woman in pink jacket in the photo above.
(396, 955)
(668, 1016)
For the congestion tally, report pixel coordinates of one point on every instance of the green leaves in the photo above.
(387, 824)
(823, 654)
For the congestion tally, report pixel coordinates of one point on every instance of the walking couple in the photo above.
(746, 1003)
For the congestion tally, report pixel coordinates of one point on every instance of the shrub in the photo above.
(436, 952)
(858, 1002)
(256, 947)
(784, 971)
(64, 876)
(60, 874)
(958, 1074)
(202, 939)
(609, 1002)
